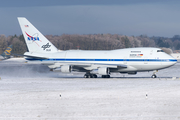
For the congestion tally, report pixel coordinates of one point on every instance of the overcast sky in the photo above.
(125, 17)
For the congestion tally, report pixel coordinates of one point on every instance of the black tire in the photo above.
(105, 76)
(89, 76)
(153, 76)
(95, 76)
(85, 76)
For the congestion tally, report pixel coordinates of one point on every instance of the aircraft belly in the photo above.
(131, 66)
(151, 66)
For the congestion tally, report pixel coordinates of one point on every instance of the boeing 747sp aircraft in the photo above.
(92, 62)
(7, 53)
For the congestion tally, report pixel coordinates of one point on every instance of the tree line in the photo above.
(93, 42)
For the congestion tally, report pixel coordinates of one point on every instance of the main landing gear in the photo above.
(90, 75)
(105, 76)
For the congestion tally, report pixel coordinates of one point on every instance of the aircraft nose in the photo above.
(173, 61)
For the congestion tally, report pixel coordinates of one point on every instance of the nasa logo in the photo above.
(46, 46)
(32, 38)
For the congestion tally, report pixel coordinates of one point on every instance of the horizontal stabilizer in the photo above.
(34, 57)
(29, 57)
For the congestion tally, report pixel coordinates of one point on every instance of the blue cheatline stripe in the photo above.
(132, 60)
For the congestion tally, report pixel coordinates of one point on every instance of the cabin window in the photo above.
(135, 51)
(160, 51)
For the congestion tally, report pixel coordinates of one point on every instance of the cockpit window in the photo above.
(160, 51)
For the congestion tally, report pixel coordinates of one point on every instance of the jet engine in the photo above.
(103, 71)
(66, 68)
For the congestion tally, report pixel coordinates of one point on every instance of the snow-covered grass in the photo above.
(78, 98)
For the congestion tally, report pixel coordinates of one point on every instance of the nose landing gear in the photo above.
(154, 74)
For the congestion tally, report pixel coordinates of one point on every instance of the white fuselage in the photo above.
(136, 59)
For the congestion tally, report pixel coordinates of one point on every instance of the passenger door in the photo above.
(145, 60)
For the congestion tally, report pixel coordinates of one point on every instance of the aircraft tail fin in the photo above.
(7, 53)
(35, 40)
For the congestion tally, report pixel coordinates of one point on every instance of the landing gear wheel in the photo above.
(90, 76)
(153, 76)
(105, 76)
(94, 76)
(85, 76)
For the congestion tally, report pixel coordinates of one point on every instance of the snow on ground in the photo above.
(32, 92)
(16, 59)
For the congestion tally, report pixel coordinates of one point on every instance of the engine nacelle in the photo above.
(103, 71)
(66, 68)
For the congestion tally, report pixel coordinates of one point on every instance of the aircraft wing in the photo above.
(75, 66)
(85, 66)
